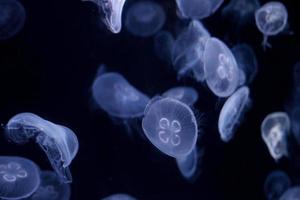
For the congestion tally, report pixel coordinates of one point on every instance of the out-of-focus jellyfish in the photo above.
(58, 142)
(271, 19)
(12, 18)
(145, 18)
(292, 193)
(296, 83)
(163, 46)
(19, 177)
(171, 126)
(220, 68)
(197, 9)
(117, 97)
(51, 188)
(111, 11)
(295, 125)
(246, 60)
(187, 95)
(233, 112)
(120, 196)
(274, 130)
(277, 182)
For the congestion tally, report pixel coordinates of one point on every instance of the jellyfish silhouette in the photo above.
(163, 46)
(120, 196)
(19, 177)
(277, 182)
(171, 126)
(187, 95)
(292, 193)
(58, 142)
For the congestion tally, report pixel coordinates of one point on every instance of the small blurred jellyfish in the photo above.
(12, 18)
(120, 196)
(296, 83)
(111, 11)
(292, 193)
(58, 142)
(276, 183)
(271, 19)
(145, 18)
(246, 61)
(171, 126)
(197, 9)
(233, 112)
(187, 55)
(19, 177)
(51, 188)
(220, 68)
(117, 97)
(274, 130)
(163, 46)
(187, 95)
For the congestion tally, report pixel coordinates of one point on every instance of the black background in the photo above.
(48, 69)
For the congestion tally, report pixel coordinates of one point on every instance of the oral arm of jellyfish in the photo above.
(220, 68)
(274, 130)
(276, 183)
(271, 19)
(170, 126)
(117, 97)
(119, 196)
(58, 142)
(187, 95)
(233, 112)
(19, 177)
(111, 10)
(292, 193)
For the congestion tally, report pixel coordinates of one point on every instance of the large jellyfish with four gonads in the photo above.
(233, 112)
(220, 68)
(58, 142)
(274, 130)
(276, 183)
(171, 126)
(119, 196)
(19, 177)
(111, 12)
(292, 193)
(185, 94)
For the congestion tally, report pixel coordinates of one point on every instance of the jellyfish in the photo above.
(171, 126)
(145, 18)
(51, 188)
(117, 97)
(111, 11)
(232, 113)
(12, 18)
(163, 46)
(58, 142)
(187, 95)
(119, 196)
(220, 68)
(19, 177)
(274, 130)
(197, 9)
(292, 193)
(277, 182)
(271, 19)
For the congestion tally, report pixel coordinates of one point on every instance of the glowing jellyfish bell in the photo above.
(171, 126)
(187, 95)
(276, 183)
(119, 196)
(19, 177)
(145, 18)
(220, 68)
(271, 19)
(292, 193)
(58, 142)
(274, 130)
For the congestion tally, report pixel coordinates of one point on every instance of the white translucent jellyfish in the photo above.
(271, 19)
(277, 182)
(220, 68)
(274, 130)
(145, 18)
(117, 97)
(12, 18)
(19, 177)
(111, 11)
(292, 193)
(171, 126)
(163, 46)
(58, 142)
(187, 95)
(120, 196)
(233, 112)
(197, 9)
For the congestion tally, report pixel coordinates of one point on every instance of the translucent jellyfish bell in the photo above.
(233, 112)
(119, 197)
(277, 182)
(12, 18)
(145, 18)
(163, 46)
(220, 68)
(274, 130)
(171, 126)
(117, 97)
(292, 193)
(58, 142)
(187, 95)
(19, 177)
